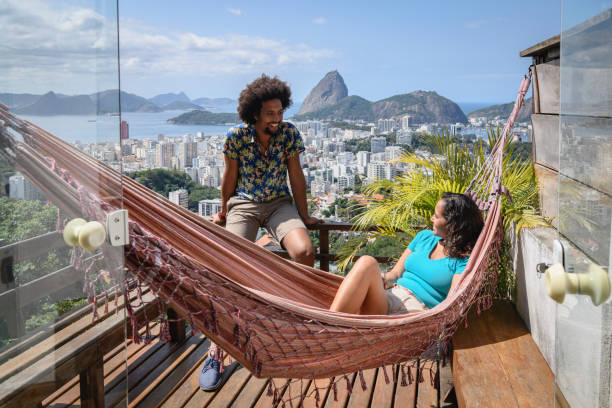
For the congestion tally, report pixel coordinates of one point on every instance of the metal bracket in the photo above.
(117, 227)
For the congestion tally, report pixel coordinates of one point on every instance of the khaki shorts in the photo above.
(401, 300)
(278, 216)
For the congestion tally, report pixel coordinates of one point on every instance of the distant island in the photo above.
(201, 117)
(503, 111)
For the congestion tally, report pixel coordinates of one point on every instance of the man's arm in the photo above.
(298, 187)
(228, 186)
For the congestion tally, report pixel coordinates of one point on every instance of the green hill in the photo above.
(503, 111)
(200, 117)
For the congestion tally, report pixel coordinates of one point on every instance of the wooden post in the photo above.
(324, 249)
(177, 328)
(92, 384)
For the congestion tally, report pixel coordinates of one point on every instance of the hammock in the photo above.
(268, 313)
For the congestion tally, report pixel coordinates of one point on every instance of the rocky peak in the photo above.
(329, 91)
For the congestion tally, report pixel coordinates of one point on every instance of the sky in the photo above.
(467, 51)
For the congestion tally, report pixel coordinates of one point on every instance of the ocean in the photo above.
(91, 129)
(142, 125)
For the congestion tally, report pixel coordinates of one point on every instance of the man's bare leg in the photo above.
(298, 244)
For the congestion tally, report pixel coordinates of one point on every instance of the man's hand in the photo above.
(219, 218)
(308, 220)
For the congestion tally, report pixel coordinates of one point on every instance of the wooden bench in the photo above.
(73, 346)
(496, 363)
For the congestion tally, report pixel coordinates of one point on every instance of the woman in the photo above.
(425, 273)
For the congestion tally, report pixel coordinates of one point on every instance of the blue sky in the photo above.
(467, 51)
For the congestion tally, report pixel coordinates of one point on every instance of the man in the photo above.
(254, 191)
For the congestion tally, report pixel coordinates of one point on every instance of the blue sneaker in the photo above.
(210, 376)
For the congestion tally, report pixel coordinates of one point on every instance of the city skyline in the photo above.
(466, 52)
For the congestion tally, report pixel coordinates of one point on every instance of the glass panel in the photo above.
(60, 77)
(585, 185)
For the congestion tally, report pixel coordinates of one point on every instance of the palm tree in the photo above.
(409, 200)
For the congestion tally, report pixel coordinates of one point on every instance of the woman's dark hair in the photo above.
(260, 90)
(463, 224)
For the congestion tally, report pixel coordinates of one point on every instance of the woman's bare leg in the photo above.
(362, 290)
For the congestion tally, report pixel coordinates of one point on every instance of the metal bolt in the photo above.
(116, 219)
(117, 237)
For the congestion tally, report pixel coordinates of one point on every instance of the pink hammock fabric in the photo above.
(266, 312)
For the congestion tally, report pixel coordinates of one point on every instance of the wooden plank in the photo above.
(427, 393)
(266, 400)
(184, 389)
(528, 373)
(154, 370)
(251, 392)
(447, 392)
(202, 398)
(478, 373)
(405, 396)
(343, 394)
(35, 382)
(360, 397)
(33, 247)
(114, 370)
(91, 382)
(232, 387)
(158, 390)
(383, 392)
(324, 392)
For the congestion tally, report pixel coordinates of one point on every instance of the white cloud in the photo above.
(234, 11)
(320, 20)
(74, 50)
(475, 25)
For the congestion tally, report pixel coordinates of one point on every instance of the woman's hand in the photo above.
(387, 284)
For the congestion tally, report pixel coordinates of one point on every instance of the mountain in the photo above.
(217, 104)
(107, 102)
(422, 106)
(200, 117)
(352, 108)
(53, 104)
(165, 99)
(15, 101)
(503, 111)
(181, 105)
(328, 92)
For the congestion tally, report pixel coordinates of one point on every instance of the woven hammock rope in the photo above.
(268, 313)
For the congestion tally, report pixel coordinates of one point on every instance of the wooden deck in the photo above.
(166, 375)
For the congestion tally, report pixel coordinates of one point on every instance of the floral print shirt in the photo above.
(262, 178)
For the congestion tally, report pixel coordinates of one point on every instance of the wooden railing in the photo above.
(323, 255)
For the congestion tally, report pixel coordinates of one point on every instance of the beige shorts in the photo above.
(401, 300)
(278, 216)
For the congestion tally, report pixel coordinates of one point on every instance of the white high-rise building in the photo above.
(393, 152)
(22, 189)
(345, 158)
(378, 144)
(405, 122)
(404, 137)
(208, 208)
(163, 154)
(363, 158)
(186, 153)
(346, 182)
(180, 197)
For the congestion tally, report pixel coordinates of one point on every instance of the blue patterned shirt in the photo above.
(261, 177)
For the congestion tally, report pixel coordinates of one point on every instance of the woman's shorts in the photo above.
(401, 300)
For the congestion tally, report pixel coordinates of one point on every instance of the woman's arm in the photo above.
(454, 283)
(397, 271)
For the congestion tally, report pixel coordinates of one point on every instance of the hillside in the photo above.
(423, 107)
(503, 111)
(200, 117)
(52, 104)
